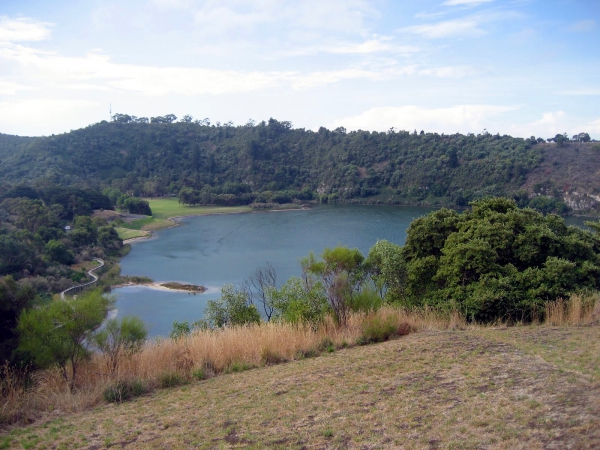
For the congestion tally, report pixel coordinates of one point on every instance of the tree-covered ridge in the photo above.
(149, 159)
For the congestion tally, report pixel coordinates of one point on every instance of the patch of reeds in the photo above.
(579, 309)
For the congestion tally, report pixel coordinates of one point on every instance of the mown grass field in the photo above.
(165, 208)
(530, 387)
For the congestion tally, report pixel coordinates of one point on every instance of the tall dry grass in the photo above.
(45, 392)
(576, 310)
(212, 351)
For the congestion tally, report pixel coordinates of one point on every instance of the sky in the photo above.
(518, 67)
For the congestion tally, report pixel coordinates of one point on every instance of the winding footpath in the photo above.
(89, 283)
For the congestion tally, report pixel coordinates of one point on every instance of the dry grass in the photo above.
(446, 341)
(578, 309)
(214, 352)
(436, 389)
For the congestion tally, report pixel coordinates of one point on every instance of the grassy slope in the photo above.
(525, 387)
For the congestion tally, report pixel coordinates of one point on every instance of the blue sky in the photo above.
(519, 67)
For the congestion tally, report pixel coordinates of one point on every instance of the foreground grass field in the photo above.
(527, 387)
(165, 208)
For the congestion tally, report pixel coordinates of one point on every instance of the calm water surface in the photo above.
(216, 250)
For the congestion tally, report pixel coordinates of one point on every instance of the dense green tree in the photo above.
(497, 261)
(56, 251)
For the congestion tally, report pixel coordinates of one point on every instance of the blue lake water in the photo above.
(220, 249)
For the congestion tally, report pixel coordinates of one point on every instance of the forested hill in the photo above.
(150, 159)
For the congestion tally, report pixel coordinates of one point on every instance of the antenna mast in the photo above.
(110, 110)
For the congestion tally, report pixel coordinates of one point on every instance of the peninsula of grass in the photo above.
(164, 209)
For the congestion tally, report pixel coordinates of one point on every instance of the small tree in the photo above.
(56, 333)
(341, 272)
(257, 285)
(297, 302)
(232, 309)
(120, 339)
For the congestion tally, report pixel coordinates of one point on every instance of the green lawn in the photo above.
(163, 208)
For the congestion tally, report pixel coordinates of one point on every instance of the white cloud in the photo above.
(48, 114)
(590, 127)
(469, 27)
(96, 71)
(460, 118)
(371, 46)
(8, 88)
(335, 15)
(551, 124)
(23, 29)
(451, 71)
(583, 25)
(584, 92)
(465, 2)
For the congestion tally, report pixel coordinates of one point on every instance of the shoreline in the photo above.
(176, 220)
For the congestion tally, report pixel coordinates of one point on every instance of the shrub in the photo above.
(326, 345)
(378, 329)
(171, 379)
(124, 390)
(199, 374)
(270, 357)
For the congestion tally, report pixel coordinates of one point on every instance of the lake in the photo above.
(220, 249)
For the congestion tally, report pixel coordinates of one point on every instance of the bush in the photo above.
(171, 379)
(326, 345)
(124, 390)
(269, 357)
(378, 329)
(497, 261)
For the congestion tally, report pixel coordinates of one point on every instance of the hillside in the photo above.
(524, 387)
(570, 173)
(159, 159)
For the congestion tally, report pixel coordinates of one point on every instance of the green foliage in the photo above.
(298, 302)
(57, 333)
(13, 300)
(387, 267)
(233, 308)
(378, 329)
(119, 339)
(133, 205)
(124, 390)
(172, 379)
(180, 330)
(497, 261)
(341, 271)
(162, 158)
(56, 251)
(367, 299)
